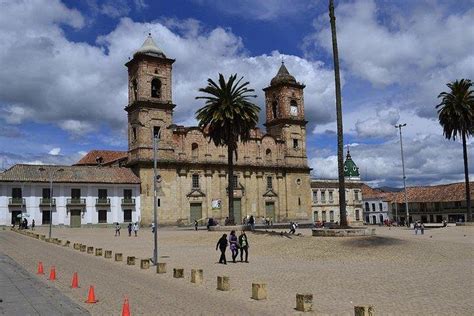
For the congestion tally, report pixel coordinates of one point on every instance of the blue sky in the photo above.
(63, 84)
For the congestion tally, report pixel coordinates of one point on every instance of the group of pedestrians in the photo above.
(236, 243)
(419, 227)
(131, 227)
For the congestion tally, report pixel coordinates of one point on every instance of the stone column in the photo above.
(259, 291)
(196, 276)
(223, 283)
(304, 302)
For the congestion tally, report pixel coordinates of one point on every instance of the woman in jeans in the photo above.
(234, 245)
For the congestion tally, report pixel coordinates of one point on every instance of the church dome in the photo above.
(150, 48)
(350, 168)
(283, 76)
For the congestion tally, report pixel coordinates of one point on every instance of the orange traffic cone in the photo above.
(52, 273)
(91, 298)
(75, 281)
(126, 308)
(40, 268)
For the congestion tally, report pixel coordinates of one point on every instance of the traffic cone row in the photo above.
(75, 284)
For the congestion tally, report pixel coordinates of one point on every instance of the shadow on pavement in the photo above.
(375, 241)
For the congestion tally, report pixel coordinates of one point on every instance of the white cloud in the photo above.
(428, 159)
(382, 125)
(76, 128)
(55, 151)
(115, 8)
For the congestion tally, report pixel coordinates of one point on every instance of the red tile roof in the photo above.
(69, 174)
(108, 157)
(437, 193)
(371, 193)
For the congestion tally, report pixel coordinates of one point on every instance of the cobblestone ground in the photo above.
(398, 272)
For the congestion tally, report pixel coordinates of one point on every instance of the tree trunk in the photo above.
(340, 138)
(466, 177)
(230, 182)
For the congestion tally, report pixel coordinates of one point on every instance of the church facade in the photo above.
(271, 175)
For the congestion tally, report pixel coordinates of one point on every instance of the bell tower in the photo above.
(150, 105)
(284, 102)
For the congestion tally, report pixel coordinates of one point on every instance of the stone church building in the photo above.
(272, 176)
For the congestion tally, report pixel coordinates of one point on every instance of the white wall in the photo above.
(32, 192)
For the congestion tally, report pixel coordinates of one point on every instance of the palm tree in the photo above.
(340, 138)
(456, 116)
(228, 116)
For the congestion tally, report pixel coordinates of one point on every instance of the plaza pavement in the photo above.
(398, 272)
(22, 294)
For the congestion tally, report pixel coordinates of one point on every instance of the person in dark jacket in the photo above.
(129, 227)
(244, 247)
(222, 245)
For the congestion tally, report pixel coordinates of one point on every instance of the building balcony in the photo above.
(16, 202)
(128, 201)
(76, 201)
(47, 201)
(102, 201)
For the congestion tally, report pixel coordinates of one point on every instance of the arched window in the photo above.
(194, 150)
(156, 88)
(268, 153)
(135, 89)
(274, 109)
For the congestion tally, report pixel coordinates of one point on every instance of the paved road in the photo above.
(23, 294)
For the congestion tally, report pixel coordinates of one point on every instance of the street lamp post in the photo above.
(51, 174)
(156, 179)
(399, 126)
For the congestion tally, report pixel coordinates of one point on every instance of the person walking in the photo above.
(244, 246)
(129, 227)
(117, 229)
(135, 229)
(33, 224)
(422, 228)
(234, 245)
(152, 228)
(222, 245)
(415, 226)
(252, 222)
(196, 225)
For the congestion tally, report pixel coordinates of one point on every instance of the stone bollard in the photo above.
(118, 257)
(364, 310)
(83, 248)
(67, 243)
(98, 252)
(58, 241)
(77, 246)
(108, 254)
(304, 302)
(37, 236)
(223, 283)
(90, 250)
(196, 276)
(144, 264)
(161, 267)
(47, 239)
(131, 261)
(259, 291)
(178, 273)
(42, 237)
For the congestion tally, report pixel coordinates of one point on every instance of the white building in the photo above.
(376, 205)
(325, 196)
(82, 195)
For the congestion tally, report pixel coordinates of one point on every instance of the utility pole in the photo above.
(156, 179)
(399, 126)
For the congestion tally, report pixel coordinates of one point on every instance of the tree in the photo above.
(228, 116)
(340, 131)
(456, 116)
